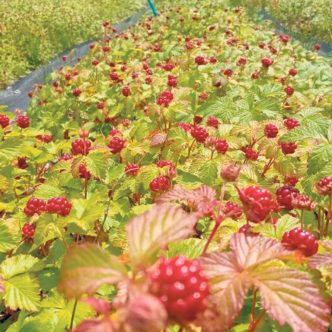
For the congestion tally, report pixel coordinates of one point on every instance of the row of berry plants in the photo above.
(177, 178)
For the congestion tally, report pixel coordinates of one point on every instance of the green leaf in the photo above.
(156, 228)
(7, 240)
(46, 191)
(17, 265)
(96, 164)
(209, 172)
(87, 267)
(191, 248)
(22, 292)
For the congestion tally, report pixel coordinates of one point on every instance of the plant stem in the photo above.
(213, 233)
(329, 216)
(190, 148)
(73, 316)
(254, 324)
(253, 305)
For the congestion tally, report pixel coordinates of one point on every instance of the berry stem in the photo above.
(190, 149)
(329, 216)
(73, 316)
(267, 166)
(213, 233)
(254, 324)
(253, 305)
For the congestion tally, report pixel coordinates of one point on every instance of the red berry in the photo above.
(257, 202)
(288, 148)
(35, 205)
(228, 72)
(324, 186)
(292, 72)
(114, 76)
(285, 196)
(199, 133)
(213, 59)
(291, 180)
(4, 120)
(221, 146)
(116, 144)
(203, 96)
(77, 92)
(197, 119)
(255, 75)
(251, 154)
(284, 38)
(241, 61)
(132, 169)
(271, 131)
(83, 172)
(171, 81)
(212, 121)
(59, 205)
(28, 232)
(22, 162)
(289, 90)
(23, 121)
(101, 105)
(165, 98)
(160, 184)
(200, 60)
(185, 126)
(66, 156)
(233, 210)
(303, 202)
(181, 286)
(317, 47)
(291, 123)
(299, 239)
(126, 91)
(95, 62)
(266, 62)
(45, 138)
(81, 146)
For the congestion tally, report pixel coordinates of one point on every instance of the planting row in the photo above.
(34, 32)
(178, 177)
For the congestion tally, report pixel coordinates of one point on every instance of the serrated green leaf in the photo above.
(96, 164)
(17, 265)
(22, 292)
(7, 239)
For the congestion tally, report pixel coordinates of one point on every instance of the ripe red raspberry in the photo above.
(212, 121)
(285, 196)
(114, 132)
(148, 80)
(317, 47)
(200, 60)
(291, 123)
(83, 172)
(35, 205)
(271, 131)
(197, 119)
(291, 180)
(22, 162)
(213, 59)
(289, 90)
(288, 148)
(255, 75)
(132, 169)
(324, 186)
(81, 146)
(233, 210)
(23, 121)
(58, 205)
(221, 146)
(185, 126)
(292, 72)
(241, 61)
(4, 120)
(171, 81)
(284, 38)
(126, 91)
(160, 184)
(251, 154)
(116, 144)
(199, 133)
(45, 138)
(66, 156)
(77, 92)
(228, 72)
(299, 239)
(28, 232)
(266, 62)
(114, 76)
(203, 96)
(100, 105)
(303, 202)
(257, 202)
(181, 286)
(230, 172)
(165, 98)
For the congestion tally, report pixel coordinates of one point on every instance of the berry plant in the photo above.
(177, 178)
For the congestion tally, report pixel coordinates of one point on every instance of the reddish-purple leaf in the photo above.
(96, 325)
(156, 228)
